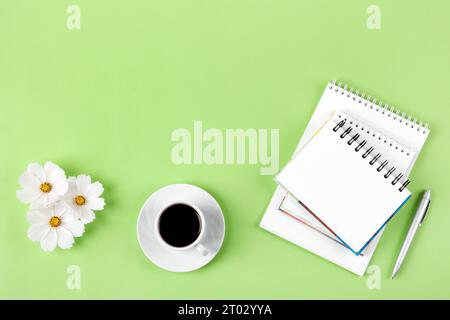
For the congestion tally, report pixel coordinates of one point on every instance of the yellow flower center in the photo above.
(55, 222)
(80, 200)
(46, 187)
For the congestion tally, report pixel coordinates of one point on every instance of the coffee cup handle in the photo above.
(201, 248)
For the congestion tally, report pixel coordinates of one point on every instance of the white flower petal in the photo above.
(60, 187)
(28, 195)
(87, 215)
(40, 202)
(52, 197)
(49, 212)
(75, 227)
(96, 203)
(39, 216)
(73, 211)
(28, 181)
(70, 214)
(48, 169)
(60, 209)
(50, 240)
(69, 197)
(65, 238)
(72, 180)
(48, 202)
(58, 174)
(38, 231)
(83, 182)
(95, 190)
(72, 186)
(37, 170)
(53, 171)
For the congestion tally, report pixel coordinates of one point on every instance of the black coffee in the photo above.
(179, 225)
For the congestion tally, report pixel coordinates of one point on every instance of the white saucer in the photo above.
(171, 259)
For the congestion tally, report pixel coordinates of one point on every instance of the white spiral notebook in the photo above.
(389, 130)
(345, 183)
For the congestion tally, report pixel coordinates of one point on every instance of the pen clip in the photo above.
(426, 211)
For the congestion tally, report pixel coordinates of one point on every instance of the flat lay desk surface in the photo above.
(104, 100)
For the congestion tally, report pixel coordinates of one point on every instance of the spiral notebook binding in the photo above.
(377, 135)
(354, 138)
(371, 102)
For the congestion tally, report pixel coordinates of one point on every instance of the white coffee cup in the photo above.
(197, 243)
(200, 248)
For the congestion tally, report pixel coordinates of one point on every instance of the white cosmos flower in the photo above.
(54, 226)
(83, 197)
(42, 186)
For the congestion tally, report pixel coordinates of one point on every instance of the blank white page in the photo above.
(347, 194)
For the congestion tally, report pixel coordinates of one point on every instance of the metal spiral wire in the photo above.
(354, 139)
(371, 102)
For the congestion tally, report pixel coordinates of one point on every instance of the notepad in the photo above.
(400, 158)
(345, 183)
(389, 123)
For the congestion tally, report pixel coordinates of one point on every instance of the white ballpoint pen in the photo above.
(416, 223)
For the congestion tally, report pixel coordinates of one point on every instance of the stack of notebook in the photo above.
(347, 178)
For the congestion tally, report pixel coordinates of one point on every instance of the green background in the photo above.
(103, 100)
